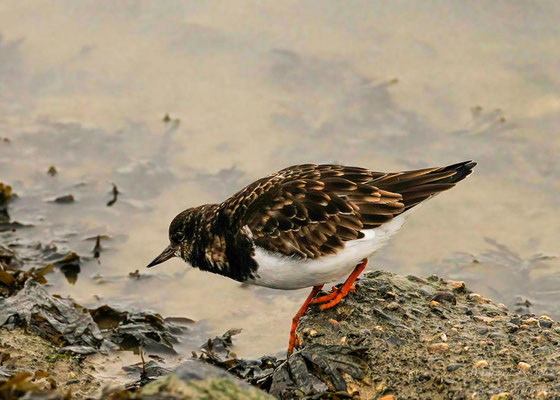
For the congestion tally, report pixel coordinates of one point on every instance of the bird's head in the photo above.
(180, 239)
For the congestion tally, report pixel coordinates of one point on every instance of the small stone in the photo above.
(425, 376)
(310, 332)
(545, 322)
(443, 337)
(387, 397)
(501, 396)
(530, 321)
(439, 347)
(542, 394)
(497, 335)
(549, 377)
(392, 306)
(488, 320)
(453, 367)
(334, 324)
(456, 285)
(524, 366)
(480, 364)
(433, 304)
(515, 321)
(512, 327)
(390, 294)
(444, 295)
(482, 331)
(416, 279)
(475, 297)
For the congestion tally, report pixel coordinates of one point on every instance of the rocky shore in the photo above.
(395, 337)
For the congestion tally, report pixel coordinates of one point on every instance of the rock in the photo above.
(196, 379)
(404, 350)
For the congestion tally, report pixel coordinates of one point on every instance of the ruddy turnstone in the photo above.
(304, 226)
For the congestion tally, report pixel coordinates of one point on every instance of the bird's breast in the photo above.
(279, 271)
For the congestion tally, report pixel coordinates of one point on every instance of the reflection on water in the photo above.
(249, 90)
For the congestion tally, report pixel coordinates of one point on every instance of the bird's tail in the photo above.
(419, 185)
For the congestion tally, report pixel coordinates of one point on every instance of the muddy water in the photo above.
(254, 87)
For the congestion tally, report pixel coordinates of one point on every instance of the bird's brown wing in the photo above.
(311, 210)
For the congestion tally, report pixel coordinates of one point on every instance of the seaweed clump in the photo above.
(60, 321)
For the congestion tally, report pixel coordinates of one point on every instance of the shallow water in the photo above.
(253, 87)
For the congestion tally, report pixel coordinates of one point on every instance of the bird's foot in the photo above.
(333, 298)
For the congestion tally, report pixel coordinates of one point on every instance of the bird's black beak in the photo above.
(165, 255)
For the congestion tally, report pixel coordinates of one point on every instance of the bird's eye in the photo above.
(178, 236)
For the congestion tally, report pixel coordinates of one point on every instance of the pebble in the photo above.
(488, 320)
(530, 321)
(476, 298)
(545, 322)
(443, 337)
(439, 347)
(542, 394)
(416, 279)
(310, 332)
(433, 304)
(453, 367)
(497, 335)
(481, 364)
(547, 318)
(524, 366)
(515, 321)
(501, 396)
(444, 295)
(387, 397)
(456, 285)
(334, 323)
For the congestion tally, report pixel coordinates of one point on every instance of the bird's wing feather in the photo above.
(312, 210)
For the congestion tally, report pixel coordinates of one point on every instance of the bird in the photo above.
(304, 226)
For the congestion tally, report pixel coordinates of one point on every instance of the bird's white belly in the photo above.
(283, 272)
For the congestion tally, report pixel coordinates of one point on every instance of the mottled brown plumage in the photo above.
(304, 211)
(311, 210)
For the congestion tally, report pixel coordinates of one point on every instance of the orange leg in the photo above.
(333, 298)
(298, 315)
